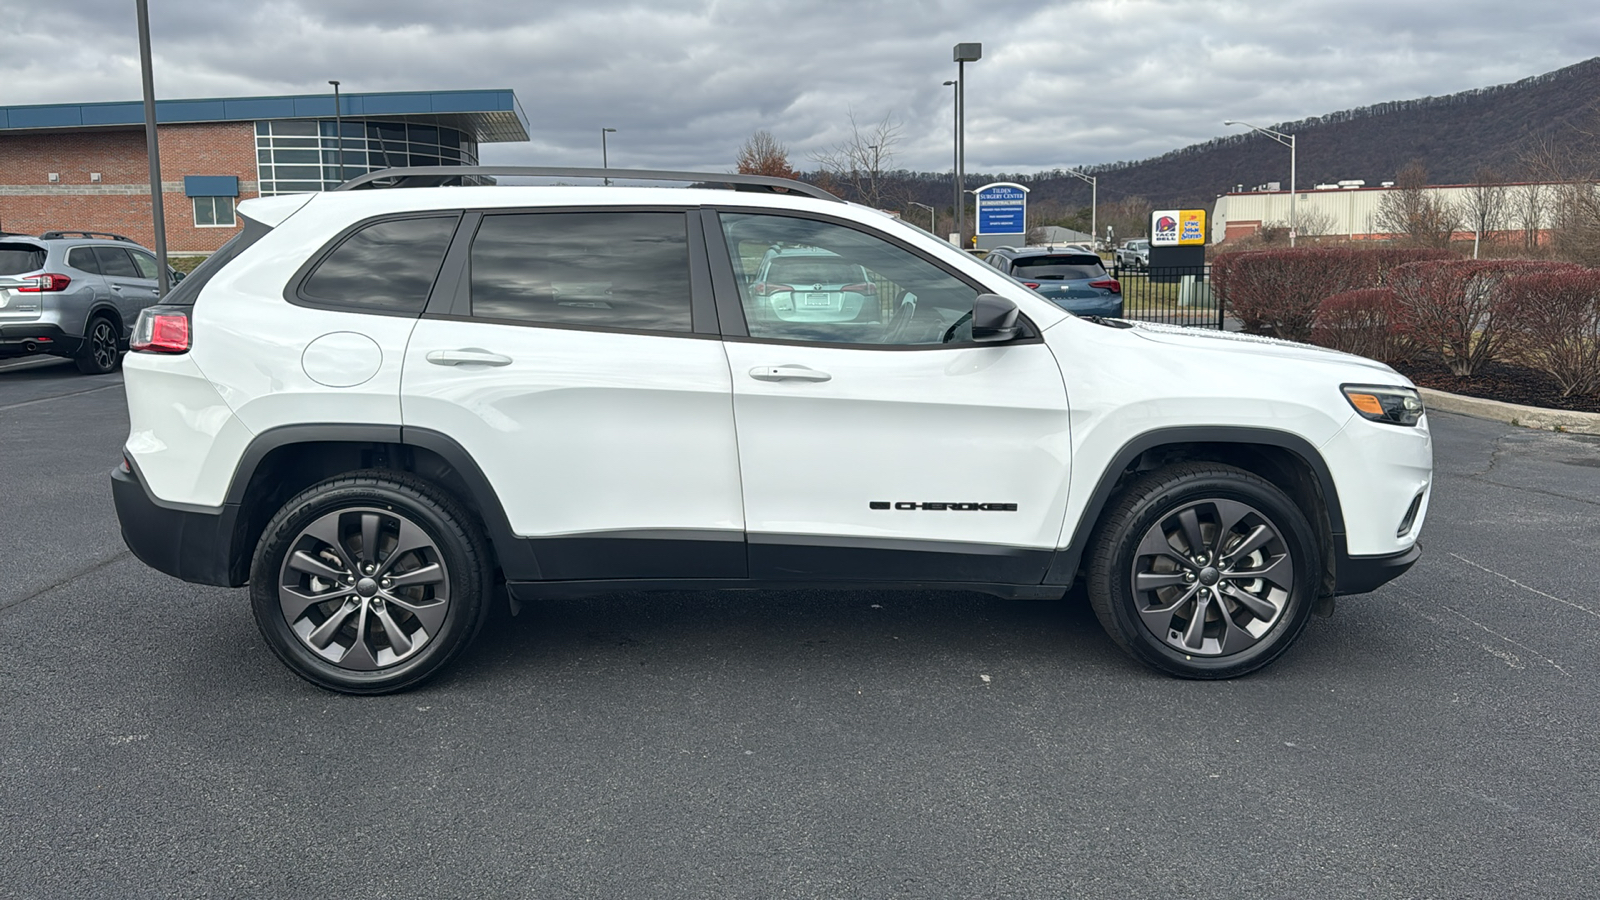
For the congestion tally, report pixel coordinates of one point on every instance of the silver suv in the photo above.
(74, 294)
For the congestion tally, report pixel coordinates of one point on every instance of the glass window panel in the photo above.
(298, 171)
(146, 264)
(618, 270)
(224, 206)
(115, 262)
(418, 159)
(391, 132)
(295, 127)
(423, 134)
(204, 212)
(297, 187)
(792, 286)
(282, 142)
(294, 156)
(449, 137)
(81, 258)
(387, 266)
(264, 156)
(261, 128)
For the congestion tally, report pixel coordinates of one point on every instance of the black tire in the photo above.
(1144, 578)
(101, 350)
(445, 560)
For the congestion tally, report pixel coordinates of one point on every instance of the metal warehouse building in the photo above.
(84, 165)
(1350, 209)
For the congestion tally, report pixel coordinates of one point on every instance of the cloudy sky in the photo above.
(1061, 83)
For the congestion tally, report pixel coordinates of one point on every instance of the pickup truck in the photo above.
(1134, 254)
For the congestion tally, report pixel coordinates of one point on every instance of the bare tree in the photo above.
(1411, 210)
(1484, 205)
(763, 155)
(1529, 203)
(1128, 217)
(858, 162)
(1569, 163)
(1308, 223)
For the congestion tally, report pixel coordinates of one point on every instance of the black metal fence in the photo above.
(1171, 295)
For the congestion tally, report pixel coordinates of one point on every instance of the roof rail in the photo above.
(58, 235)
(436, 176)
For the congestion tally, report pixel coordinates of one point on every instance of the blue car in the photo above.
(1071, 278)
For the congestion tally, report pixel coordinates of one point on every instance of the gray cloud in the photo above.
(685, 83)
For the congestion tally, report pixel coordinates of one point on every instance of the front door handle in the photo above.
(471, 356)
(788, 373)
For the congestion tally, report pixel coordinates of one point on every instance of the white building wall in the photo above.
(1350, 212)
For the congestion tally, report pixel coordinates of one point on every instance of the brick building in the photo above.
(84, 166)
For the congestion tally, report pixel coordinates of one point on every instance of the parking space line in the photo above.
(60, 397)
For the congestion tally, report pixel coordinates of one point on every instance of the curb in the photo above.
(1512, 413)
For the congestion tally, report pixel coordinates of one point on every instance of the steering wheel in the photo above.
(950, 333)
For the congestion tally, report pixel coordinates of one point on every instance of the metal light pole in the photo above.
(152, 148)
(962, 54)
(1094, 200)
(955, 159)
(604, 162)
(338, 126)
(930, 213)
(1288, 141)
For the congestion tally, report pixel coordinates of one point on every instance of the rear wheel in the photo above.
(1204, 571)
(100, 350)
(369, 583)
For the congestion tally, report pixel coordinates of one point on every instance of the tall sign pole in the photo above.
(963, 54)
(152, 148)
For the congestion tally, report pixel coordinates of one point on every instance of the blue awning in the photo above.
(211, 185)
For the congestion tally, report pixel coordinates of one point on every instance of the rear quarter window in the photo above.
(387, 266)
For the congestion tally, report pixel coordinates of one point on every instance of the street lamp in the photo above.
(1288, 141)
(604, 162)
(930, 213)
(338, 126)
(1094, 201)
(955, 160)
(961, 55)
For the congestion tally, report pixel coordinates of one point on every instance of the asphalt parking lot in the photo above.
(1437, 738)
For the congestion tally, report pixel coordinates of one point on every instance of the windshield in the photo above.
(1059, 268)
(16, 259)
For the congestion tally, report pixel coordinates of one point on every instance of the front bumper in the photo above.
(197, 547)
(1361, 574)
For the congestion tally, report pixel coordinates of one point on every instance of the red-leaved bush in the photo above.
(1455, 307)
(1278, 292)
(1552, 322)
(1368, 322)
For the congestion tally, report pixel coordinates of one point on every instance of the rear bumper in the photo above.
(1360, 574)
(23, 338)
(194, 546)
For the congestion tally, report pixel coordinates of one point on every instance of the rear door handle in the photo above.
(788, 373)
(471, 356)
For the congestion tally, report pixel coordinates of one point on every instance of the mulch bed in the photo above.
(1498, 381)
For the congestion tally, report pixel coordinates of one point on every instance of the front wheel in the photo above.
(369, 583)
(1204, 570)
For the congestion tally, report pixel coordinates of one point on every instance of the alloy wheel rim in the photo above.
(364, 588)
(104, 345)
(1212, 577)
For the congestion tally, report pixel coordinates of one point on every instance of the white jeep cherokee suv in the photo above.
(373, 406)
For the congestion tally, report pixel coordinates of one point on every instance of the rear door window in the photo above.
(388, 266)
(624, 270)
(115, 262)
(16, 259)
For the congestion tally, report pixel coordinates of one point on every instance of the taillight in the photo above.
(1110, 284)
(161, 330)
(765, 289)
(866, 287)
(1031, 284)
(44, 284)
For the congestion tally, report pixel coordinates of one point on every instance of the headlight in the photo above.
(1393, 405)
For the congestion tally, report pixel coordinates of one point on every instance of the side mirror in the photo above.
(174, 276)
(994, 318)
